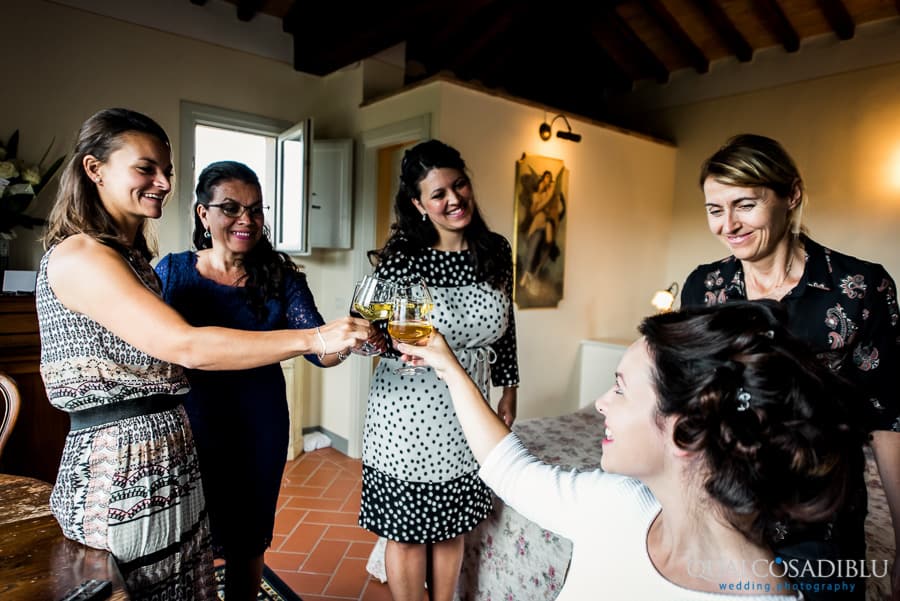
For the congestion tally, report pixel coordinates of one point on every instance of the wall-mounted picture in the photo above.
(542, 185)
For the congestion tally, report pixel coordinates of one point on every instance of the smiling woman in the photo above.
(239, 418)
(720, 425)
(420, 490)
(844, 307)
(111, 356)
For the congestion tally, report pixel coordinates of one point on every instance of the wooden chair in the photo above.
(9, 408)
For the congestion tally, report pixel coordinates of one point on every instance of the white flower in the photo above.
(32, 175)
(8, 170)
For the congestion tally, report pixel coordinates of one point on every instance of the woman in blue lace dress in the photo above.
(239, 418)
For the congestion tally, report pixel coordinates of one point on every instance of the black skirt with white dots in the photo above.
(420, 479)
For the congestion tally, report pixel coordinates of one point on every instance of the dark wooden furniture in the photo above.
(36, 444)
(37, 563)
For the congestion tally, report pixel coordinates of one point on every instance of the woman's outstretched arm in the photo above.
(483, 428)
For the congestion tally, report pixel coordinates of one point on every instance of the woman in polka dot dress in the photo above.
(420, 487)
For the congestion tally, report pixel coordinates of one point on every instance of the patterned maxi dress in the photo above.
(420, 481)
(131, 486)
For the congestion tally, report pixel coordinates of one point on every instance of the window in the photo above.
(278, 152)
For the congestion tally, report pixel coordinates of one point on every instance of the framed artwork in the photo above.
(541, 197)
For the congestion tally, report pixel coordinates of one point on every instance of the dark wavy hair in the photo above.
(78, 209)
(266, 268)
(412, 236)
(772, 424)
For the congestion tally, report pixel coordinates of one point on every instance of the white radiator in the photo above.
(597, 361)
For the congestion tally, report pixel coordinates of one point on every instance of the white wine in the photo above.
(375, 311)
(409, 332)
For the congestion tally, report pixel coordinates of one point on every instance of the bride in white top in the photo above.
(720, 425)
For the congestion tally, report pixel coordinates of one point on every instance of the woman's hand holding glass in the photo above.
(341, 336)
(372, 300)
(435, 353)
(410, 319)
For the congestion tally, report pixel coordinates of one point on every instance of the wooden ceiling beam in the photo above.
(462, 37)
(840, 20)
(784, 31)
(655, 66)
(247, 9)
(679, 37)
(352, 35)
(725, 29)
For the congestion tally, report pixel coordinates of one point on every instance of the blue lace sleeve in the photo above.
(162, 270)
(300, 308)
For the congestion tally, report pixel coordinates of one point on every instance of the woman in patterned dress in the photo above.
(845, 307)
(111, 352)
(420, 489)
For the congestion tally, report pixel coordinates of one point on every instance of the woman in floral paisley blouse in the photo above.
(845, 307)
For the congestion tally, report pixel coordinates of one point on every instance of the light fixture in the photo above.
(663, 300)
(546, 129)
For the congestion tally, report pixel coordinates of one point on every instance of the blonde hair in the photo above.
(750, 161)
(78, 209)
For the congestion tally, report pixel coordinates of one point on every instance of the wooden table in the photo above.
(37, 563)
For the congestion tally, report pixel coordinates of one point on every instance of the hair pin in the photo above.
(743, 398)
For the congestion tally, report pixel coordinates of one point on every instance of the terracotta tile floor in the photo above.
(318, 549)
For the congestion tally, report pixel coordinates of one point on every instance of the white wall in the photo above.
(620, 201)
(620, 185)
(618, 219)
(844, 133)
(65, 64)
(96, 62)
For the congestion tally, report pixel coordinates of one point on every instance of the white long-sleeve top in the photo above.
(607, 518)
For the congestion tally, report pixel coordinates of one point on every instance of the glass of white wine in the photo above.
(371, 300)
(410, 319)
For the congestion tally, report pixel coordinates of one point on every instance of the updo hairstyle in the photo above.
(770, 424)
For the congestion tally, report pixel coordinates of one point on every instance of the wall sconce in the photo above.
(663, 300)
(545, 130)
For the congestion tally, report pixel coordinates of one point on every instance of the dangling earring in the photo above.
(424, 217)
(206, 234)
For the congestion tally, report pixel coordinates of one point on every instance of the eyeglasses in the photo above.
(234, 209)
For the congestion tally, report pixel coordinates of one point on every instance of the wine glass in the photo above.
(371, 300)
(410, 319)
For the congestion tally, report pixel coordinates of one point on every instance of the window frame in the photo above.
(193, 114)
